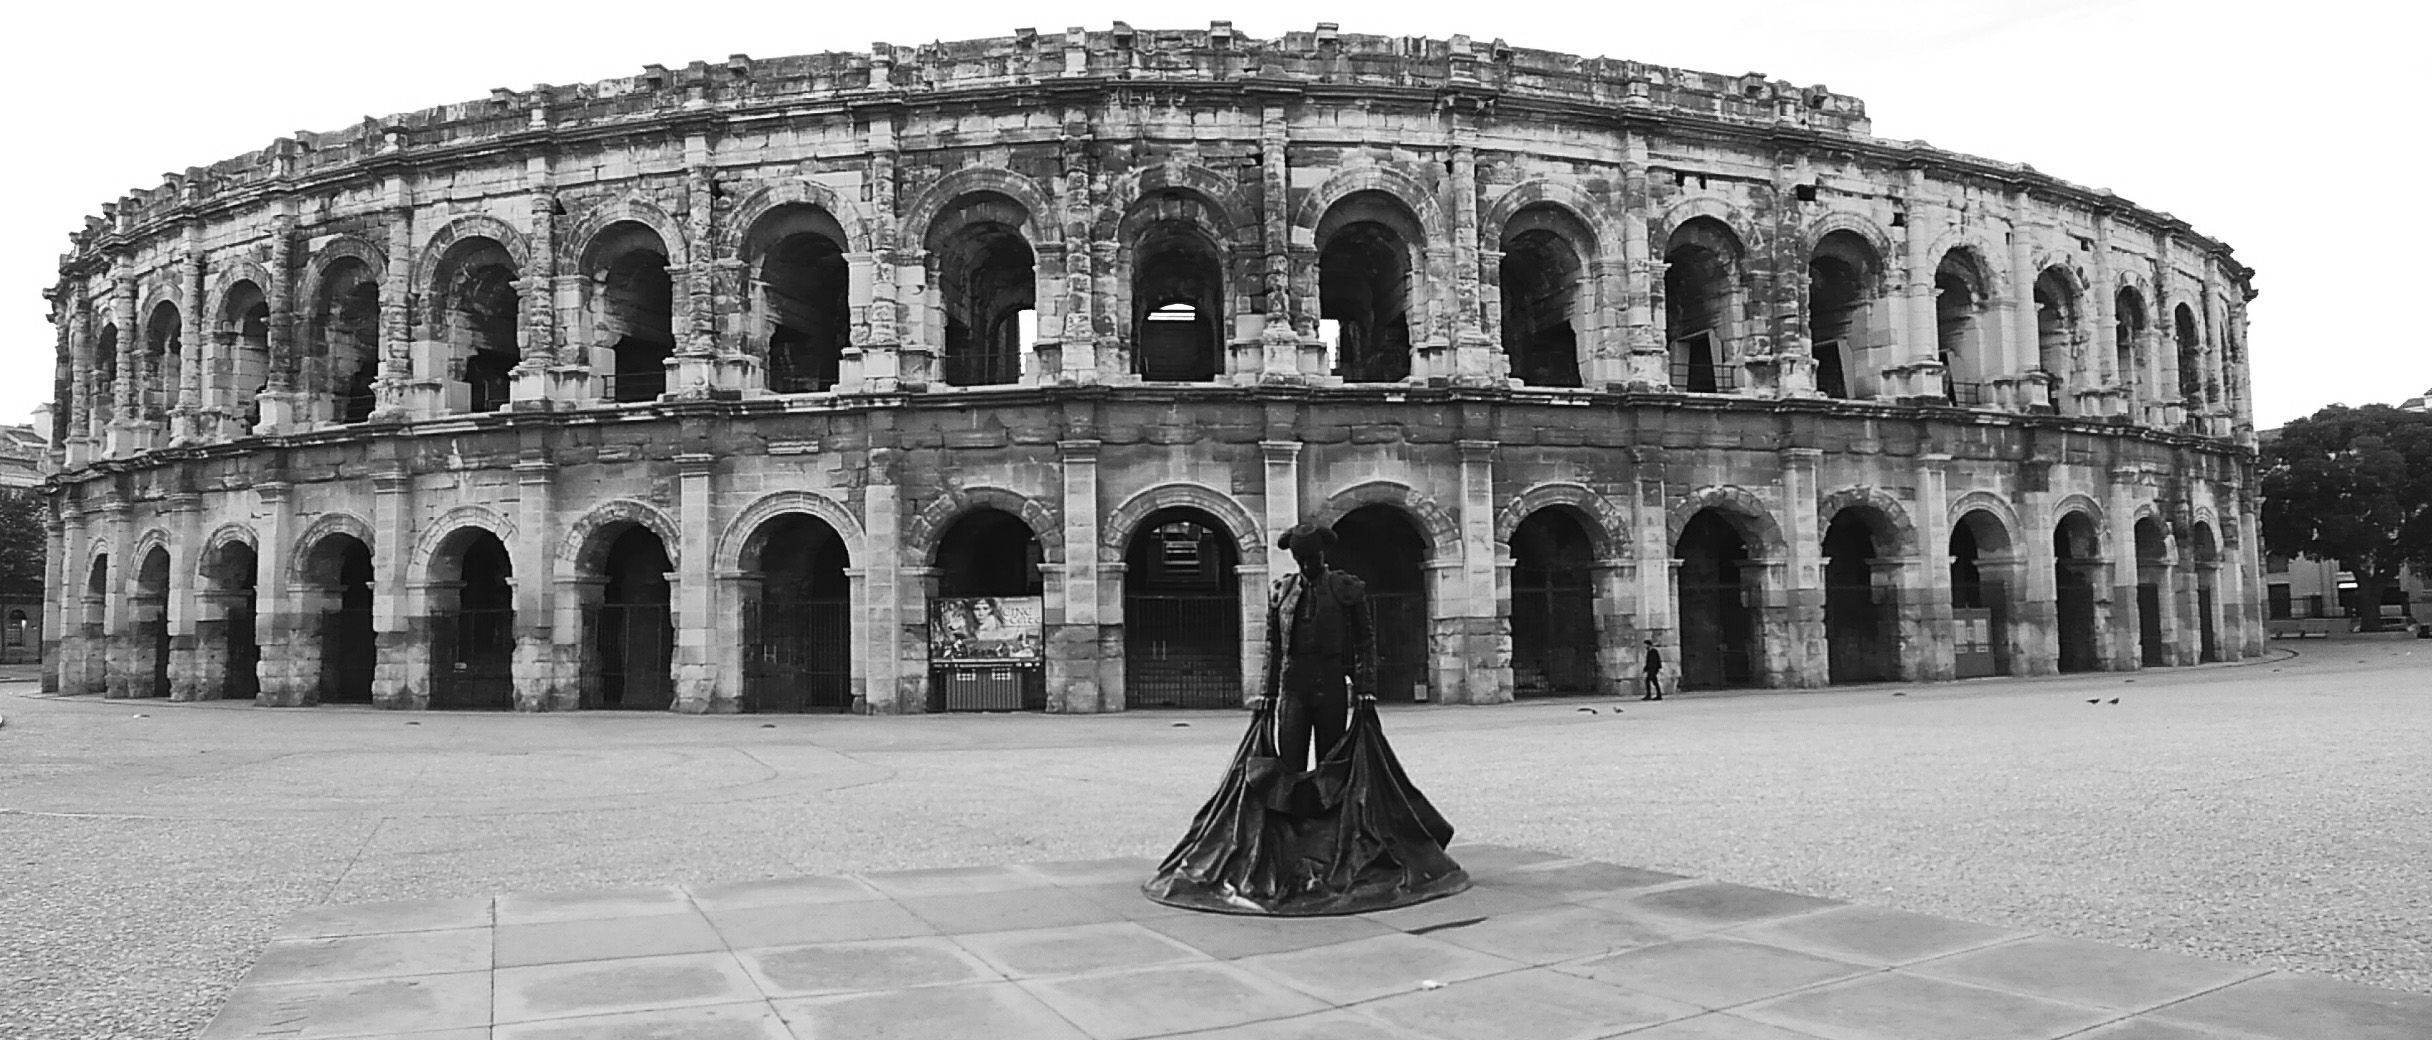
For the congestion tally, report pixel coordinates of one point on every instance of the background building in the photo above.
(981, 374)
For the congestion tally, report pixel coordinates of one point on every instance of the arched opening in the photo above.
(989, 636)
(1384, 548)
(1368, 244)
(1718, 596)
(104, 392)
(164, 354)
(1701, 303)
(2152, 583)
(2076, 571)
(802, 284)
(2208, 572)
(92, 614)
(478, 316)
(1861, 619)
(1843, 279)
(987, 282)
(1554, 638)
(633, 309)
(342, 348)
(2056, 323)
(630, 654)
(338, 599)
(1545, 295)
(797, 618)
(1959, 332)
(151, 609)
(472, 623)
(1181, 613)
(225, 630)
(2128, 321)
(1177, 303)
(1981, 567)
(2192, 381)
(243, 365)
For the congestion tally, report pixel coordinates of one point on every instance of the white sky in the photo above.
(2267, 126)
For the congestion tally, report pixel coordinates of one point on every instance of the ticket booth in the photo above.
(986, 653)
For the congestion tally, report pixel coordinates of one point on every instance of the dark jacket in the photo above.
(1339, 624)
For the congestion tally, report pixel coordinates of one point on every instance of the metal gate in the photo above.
(1854, 644)
(473, 659)
(1553, 639)
(244, 679)
(636, 646)
(1717, 637)
(2149, 625)
(155, 633)
(797, 655)
(1182, 650)
(2210, 646)
(348, 655)
(1401, 644)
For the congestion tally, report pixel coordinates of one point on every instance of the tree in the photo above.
(22, 511)
(2353, 485)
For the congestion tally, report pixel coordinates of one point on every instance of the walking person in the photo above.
(1655, 674)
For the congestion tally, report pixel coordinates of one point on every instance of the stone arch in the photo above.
(1855, 223)
(343, 247)
(1979, 258)
(299, 565)
(1221, 193)
(728, 556)
(2082, 503)
(438, 531)
(582, 548)
(1659, 231)
(631, 206)
(227, 534)
(1899, 541)
(2129, 277)
(1038, 226)
(1115, 531)
(1589, 211)
(232, 272)
(1607, 525)
(2066, 266)
(156, 537)
(2004, 515)
(470, 225)
(1437, 526)
(774, 195)
(1745, 511)
(920, 541)
(1418, 198)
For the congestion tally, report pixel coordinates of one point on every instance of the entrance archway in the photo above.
(988, 556)
(1860, 622)
(1553, 606)
(1718, 587)
(633, 634)
(472, 623)
(151, 603)
(2077, 560)
(2208, 572)
(1981, 563)
(2152, 583)
(797, 621)
(226, 628)
(338, 571)
(1181, 613)
(1381, 546)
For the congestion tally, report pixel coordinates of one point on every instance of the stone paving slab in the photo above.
(1543, 948)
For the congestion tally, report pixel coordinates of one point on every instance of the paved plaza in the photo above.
(1803, 860)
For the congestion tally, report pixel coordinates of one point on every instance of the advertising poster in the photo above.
(987, 628)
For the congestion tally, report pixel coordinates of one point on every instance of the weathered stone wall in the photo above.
(1987, 373)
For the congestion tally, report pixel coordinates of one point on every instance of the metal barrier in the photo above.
(1182, 650)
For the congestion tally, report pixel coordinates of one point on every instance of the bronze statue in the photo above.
(1351, 834)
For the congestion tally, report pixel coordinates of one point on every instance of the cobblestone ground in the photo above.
(2269, 813)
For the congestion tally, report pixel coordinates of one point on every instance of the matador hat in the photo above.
(1321, 533)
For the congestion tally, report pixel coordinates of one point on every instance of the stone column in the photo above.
(1793, 352)
(186, 423)
(1796, 582)
(696, 678)
(1920, 371)
(1477, 359)
(2022, 343)
(2126, 629)
(277, 624)
(1072, 625)
(883, 306)
(182, 515)
(891, 616)
(1075, 331)
(396, 310)
(1251, 579)
(402, 676)
(1657, 572)
(1481, 649)
(1930, 645)
(1284, 331)
(56, 552)
(539, 682)
(531, 384)
(2015, 643)
(278, 401)
(81, 391)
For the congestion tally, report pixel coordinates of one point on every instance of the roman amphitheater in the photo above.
(981, 375)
